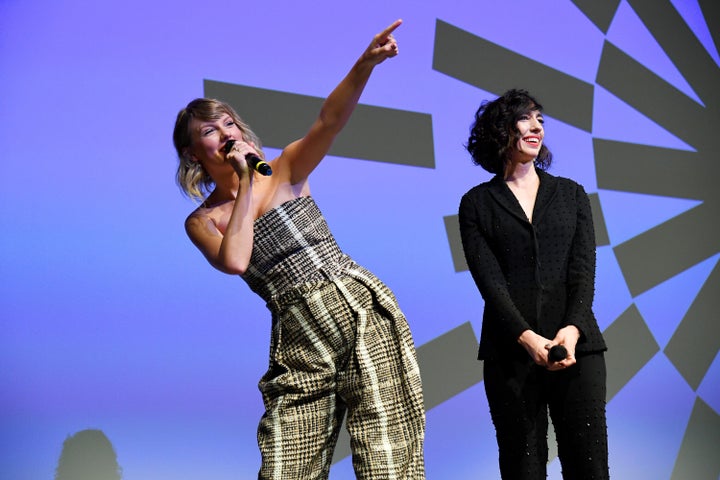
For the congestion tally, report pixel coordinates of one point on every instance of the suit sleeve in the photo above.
(581, 269)
(486, 271)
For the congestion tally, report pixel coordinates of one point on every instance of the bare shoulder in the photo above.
(200, 222)
(195, 217)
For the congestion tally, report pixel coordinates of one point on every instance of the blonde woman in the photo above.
(340, 343)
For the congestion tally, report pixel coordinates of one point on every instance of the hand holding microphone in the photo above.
(253, 161)
(557, 353)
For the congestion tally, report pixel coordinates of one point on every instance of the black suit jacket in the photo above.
(539, 275)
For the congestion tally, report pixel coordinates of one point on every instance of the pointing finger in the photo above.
(391, 28)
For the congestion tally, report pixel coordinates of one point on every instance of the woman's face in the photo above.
(210, 136)
(531, 134)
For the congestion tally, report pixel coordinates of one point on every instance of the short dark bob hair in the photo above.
(494, 134)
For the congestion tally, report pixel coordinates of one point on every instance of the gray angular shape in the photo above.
(711, 12)
(600, 12)
(631, 345)
(696, 342)
(449, 365)
(682, 46)
(655, 98)
(493, 68)
(452, 230)
(698, 458)
(601, 234)
(373, 133)
(631, 167)
(662, 252)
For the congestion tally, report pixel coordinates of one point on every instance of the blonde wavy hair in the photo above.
(191, 177)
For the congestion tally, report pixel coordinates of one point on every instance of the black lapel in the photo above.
(502, 194)
(545, 196)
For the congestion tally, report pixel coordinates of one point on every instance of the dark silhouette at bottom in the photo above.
(88, 455)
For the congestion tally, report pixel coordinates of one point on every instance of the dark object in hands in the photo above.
(557, 353)
(253, 161)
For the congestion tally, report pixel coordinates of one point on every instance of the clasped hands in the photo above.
(538, 347)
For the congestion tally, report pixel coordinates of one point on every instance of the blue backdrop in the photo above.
(111, 319)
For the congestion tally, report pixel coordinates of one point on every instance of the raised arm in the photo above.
(301, 157)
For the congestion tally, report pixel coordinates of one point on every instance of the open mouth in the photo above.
(532, 141)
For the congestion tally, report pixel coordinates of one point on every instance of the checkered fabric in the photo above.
(339, 344)
(292, 245)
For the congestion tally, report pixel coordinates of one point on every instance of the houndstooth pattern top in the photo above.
(293, 245)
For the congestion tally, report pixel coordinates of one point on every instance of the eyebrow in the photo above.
(210, 122)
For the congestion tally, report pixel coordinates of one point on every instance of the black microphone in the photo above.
(253, 161)
(557, 353)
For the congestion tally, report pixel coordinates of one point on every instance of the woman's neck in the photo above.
(522, 173)
(224, 191)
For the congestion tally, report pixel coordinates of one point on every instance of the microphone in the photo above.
(557, 353)
(253, 161)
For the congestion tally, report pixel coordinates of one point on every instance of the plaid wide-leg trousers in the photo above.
(337, 346)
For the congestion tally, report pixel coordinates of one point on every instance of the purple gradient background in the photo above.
(112, 320)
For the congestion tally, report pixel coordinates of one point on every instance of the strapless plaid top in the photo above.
(293, 245)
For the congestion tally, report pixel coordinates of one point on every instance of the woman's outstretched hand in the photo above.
(383, 45)
(303, 155)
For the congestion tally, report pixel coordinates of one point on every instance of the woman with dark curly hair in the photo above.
(529, 242)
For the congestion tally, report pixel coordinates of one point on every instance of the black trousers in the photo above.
(520, 393)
